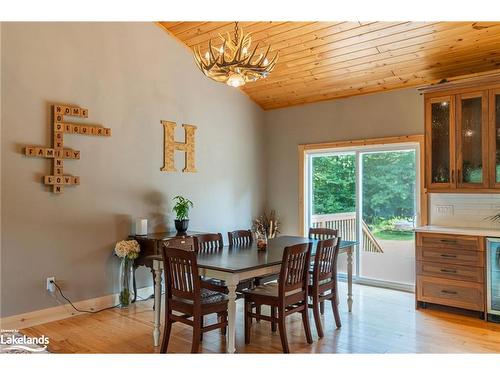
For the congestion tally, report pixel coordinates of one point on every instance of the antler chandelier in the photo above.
(232, 62)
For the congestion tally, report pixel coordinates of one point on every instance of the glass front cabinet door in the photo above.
(494, 138)
(472, 141)
(440, 142)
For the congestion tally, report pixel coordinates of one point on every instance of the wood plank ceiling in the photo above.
(327, 60)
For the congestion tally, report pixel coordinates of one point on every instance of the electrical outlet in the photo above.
(444, 210)
(51, 288)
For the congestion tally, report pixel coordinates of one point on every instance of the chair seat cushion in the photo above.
(207, 297)
(213, 281)
(242, 285)
(270, 290)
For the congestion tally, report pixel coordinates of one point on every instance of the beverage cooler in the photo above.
(493, 269)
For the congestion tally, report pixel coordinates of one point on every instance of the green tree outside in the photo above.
(388, 186)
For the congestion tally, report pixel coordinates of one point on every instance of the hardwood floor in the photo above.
(382, 321)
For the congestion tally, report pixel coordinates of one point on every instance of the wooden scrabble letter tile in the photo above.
(75, 111)
(29, 151)
(59, 163)
(57, 189)
(49, 152)
(58, 127)
(58, 109)
(59, 118)
(75, 180)
(84, 112)
(67, 110)
(48, 180)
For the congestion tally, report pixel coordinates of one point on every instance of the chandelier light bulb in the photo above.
(236, 80)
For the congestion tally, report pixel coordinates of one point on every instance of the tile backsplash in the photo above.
(464, 210)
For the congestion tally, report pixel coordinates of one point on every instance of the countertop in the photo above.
(483, 232)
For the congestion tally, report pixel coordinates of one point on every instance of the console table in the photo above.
(151, 245)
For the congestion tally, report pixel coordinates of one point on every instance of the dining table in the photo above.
(233, 264)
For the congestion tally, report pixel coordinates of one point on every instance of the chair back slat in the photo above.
(182, 278)
(322, 233)
(240, 237)
(325, 260)
(208, 243)
(294, 268)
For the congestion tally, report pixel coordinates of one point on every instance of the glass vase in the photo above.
(126, 281)
(261, 240)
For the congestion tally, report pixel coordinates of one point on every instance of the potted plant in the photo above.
(181, 209)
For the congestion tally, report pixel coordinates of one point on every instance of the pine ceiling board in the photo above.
(248, 27)
(183, 26)
(428, 75)
(259, 31)
(328, 60)
(396, 65)
(203, 35)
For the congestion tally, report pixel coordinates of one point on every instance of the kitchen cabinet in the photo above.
(462, 137)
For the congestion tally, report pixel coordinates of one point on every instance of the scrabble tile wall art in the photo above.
(57, 153)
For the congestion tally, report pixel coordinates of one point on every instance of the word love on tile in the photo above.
(57, 152)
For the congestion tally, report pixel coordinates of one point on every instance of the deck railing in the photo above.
(345, 223)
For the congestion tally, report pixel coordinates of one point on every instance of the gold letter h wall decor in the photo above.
(170, 146)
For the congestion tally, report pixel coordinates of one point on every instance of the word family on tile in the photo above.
(57, 152)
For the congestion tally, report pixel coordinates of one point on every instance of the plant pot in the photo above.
(181, 226)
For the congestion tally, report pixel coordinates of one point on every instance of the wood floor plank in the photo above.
(382, 321)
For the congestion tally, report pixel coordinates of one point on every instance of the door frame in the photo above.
(305, 149)
(306, 153)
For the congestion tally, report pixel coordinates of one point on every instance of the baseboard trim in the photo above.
(65, 311)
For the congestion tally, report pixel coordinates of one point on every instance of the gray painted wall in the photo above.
(372, 116)
(130, 76)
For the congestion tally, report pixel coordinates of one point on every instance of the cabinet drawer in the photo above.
(451, 271)
(439, 240)
(450, 256)
(451, 293)
(185, 243)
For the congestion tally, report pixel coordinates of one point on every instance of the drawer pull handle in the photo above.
(449, 292)
(448, 241)
(448, 271)
(447, 256)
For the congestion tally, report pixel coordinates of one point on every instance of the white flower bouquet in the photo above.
(127, 249)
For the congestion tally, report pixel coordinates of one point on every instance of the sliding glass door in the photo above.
(335, 172)
(369, 194)
(388, 207)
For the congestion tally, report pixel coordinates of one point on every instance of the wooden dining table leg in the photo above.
(157, 267)
(231, 317)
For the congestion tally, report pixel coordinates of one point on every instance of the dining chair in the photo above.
(323, 280)
(211, 243)
(289, 296)
(185, 295)
(322, 233)
(240, 237)
(208, 242)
